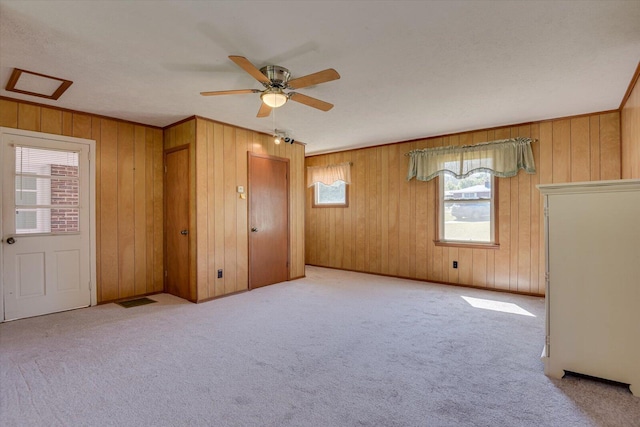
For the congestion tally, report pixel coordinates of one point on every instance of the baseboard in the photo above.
(462, 285)
(221, 296)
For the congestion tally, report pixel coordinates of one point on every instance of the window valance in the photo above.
(502, 158)
(329, 174)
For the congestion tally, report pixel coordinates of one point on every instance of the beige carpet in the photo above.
(333, 349)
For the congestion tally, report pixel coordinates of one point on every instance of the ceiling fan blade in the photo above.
(229, 92)
(314, 79)
(264, 110)
(311, 102)
(244, 63)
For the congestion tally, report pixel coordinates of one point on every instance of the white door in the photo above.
(46, 245)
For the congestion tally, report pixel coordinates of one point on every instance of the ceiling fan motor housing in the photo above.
(278, 75)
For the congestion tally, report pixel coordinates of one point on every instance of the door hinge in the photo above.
(165, 168)
(166, 274)
(547, 345)
(546, 212)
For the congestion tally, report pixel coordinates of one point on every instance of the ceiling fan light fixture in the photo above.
(275, 80)
(274, 98)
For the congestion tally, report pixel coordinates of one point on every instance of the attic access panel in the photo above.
(36, 84)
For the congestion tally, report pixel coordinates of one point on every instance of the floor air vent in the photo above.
(136, 302)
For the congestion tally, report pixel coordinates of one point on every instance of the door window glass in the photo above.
(47, 196)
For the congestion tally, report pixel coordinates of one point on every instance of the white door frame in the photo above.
(92, 202)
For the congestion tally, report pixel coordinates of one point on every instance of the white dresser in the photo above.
(592, 232)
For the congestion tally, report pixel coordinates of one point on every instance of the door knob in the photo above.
(11, 241)
(184, 232)
(253, 229)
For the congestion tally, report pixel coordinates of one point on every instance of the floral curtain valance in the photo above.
(501, 158)
(329, 174)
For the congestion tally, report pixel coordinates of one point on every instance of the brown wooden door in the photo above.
(177, 223)
(268, 220)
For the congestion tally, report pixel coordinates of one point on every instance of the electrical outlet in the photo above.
(219, 274)
(455, 264)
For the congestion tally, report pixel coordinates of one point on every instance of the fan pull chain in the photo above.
(273, 117)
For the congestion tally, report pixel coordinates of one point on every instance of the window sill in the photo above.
(330, 206)
(470, 245)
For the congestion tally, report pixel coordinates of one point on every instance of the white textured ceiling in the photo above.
(409, 69)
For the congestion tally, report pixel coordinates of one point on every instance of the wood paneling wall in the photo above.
(390, 224)
(129, 234)
(630, 129)
(220, 237)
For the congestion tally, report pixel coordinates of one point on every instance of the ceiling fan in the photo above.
(276, 80)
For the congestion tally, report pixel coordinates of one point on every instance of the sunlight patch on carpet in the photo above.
(505, 307)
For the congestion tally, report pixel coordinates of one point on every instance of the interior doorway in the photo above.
(177, 230)
(268, 220)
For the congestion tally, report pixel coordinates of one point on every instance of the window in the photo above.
(30, 192)
(334, 195)
(47, 191)
(467, 209)
(330, 185)
(468, 185)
